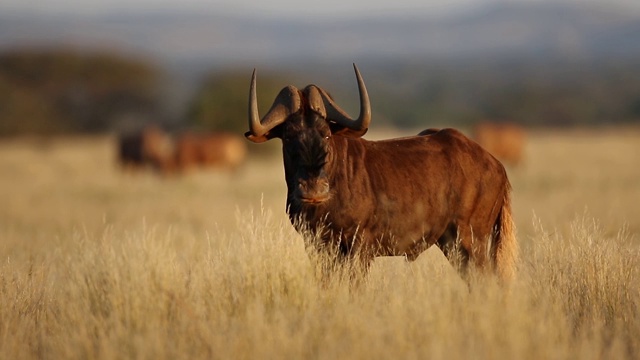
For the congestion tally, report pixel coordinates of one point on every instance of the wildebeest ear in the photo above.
(273, 133)
(345, 131)
(256, 139)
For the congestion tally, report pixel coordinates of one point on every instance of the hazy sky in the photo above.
(272, 8)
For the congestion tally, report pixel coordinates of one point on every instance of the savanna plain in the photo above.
(100, 264)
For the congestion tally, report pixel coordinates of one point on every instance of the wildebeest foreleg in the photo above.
(337, 262)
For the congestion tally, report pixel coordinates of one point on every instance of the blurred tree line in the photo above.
(536, 92)
(62, 91)
(222, 98)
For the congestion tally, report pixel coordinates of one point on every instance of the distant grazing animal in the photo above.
(150, 146)
(220, 150)
(391, 197)
(505, 141)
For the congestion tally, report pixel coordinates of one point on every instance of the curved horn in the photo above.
(335, 113)
(286, 103)
(315, 98)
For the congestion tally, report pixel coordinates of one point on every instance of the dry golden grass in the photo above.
(96, 264)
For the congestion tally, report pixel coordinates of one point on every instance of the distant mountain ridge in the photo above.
(519, 30)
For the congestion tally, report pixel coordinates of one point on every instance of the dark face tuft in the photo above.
(306, 147)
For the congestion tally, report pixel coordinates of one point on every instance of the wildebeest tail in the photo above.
(506, 245)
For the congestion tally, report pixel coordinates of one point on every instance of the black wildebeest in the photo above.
(504, 140)
(390, 197)
(149, 146)
(216, 150)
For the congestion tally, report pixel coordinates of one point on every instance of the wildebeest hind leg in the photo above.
(450, 245)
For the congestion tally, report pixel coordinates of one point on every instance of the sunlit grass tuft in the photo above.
(132, 294)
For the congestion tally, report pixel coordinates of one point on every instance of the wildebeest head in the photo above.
(305, 121)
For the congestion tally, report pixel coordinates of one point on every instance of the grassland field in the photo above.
(100, 264)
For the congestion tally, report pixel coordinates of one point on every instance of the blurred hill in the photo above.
(534, 63)
(541, 30)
